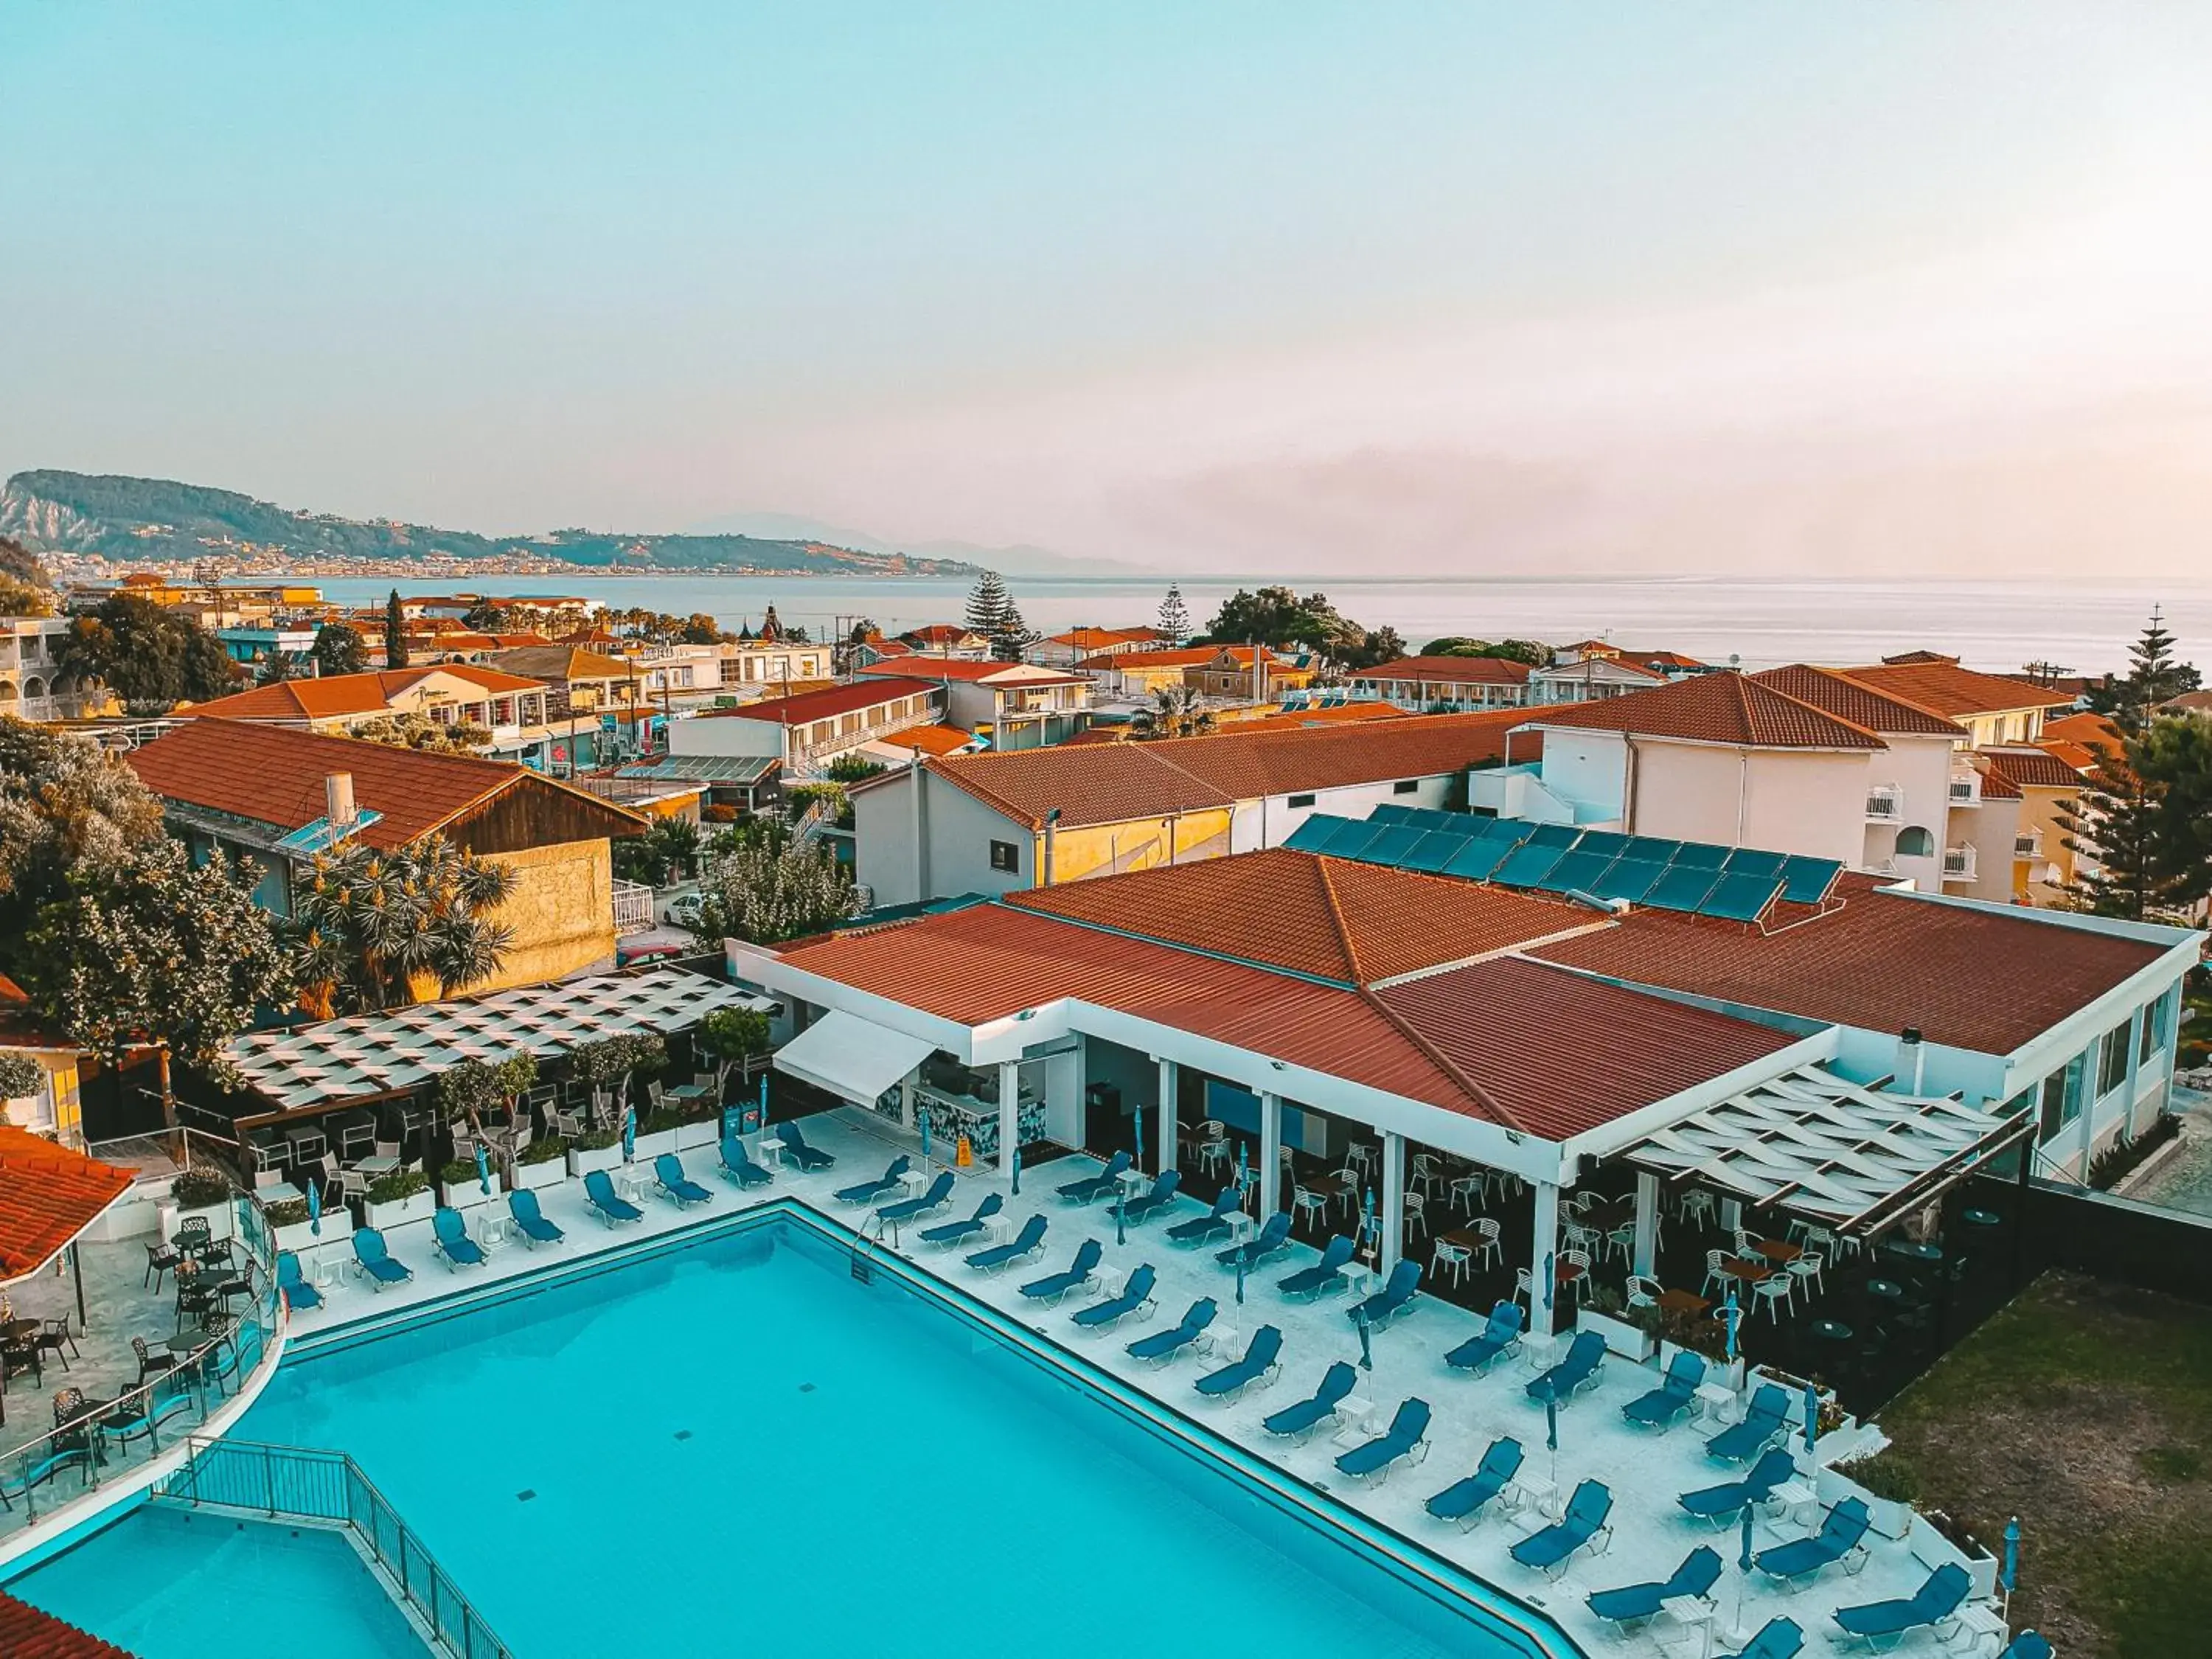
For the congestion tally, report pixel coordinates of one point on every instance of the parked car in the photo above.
(686, 910)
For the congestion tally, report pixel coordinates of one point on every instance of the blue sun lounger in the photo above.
(1202, 1229)
(606, 1204)
(1463, 1501)
(1078, 1272)
(668, 1175)
(1324, 1275)
(1406, 1441)
(299, 1295)
(370, 1257)
(1676, 1393)
(1778, 1638)
(808, 1158)
(2028, 1644)
(1024, 1244)
(1393, 1299)
(958, 1232)
(1637, 1604)
(1147, 1205)
(1496, 1339)
(1581, 1527)
(1275, 1237)
(1572, 1374)
(1943, 1593)
(1092, 1189)
(1135, 1295)
(869, 1192)
(1299, 1421)
(738, 1164)
(1723, 1504)
(909, 1209)
(522, 1206)
(1165, 1345)
(1842, 1534)
(1768, 1416)
(450, 1238)
(1262, 1359)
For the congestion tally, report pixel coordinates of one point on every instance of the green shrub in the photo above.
(543, 1150)
(397, 1184)
(598, 1141)
(286, 1213)
(202, 1186)
(460, 1169)
(1888, 1474)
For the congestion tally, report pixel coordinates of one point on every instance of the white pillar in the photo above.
(1731, 1214)
(2093, 1064)
(1394, 1199)
(905, 1101)
(1647, 1222)
(2128, 1101)
(1167, 1108)
(1544, 1245)
(1271, 1156)
(1010, 1114)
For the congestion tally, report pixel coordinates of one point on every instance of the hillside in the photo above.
(155, 521)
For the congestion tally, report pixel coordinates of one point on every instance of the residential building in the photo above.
(278, 795)
(56, 1107)
(999, 823)
(947, 640)
(694, 674)
(1993, 708)
(1069, 650)
(1017, 705)
(874, 649)
(1590, 669)
(31, 687)
(1215, 670)
(2045, 863)
(257, 642)
(803, 734)
(1421, 684)
(508, 706)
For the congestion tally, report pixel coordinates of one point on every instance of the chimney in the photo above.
(1911, 1060)
(338, 800)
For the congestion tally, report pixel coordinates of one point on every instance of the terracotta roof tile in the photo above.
(1726, 708)
(337, 695)
(1455, 670)
(563, 663)
(28, 1633)
(936, 740)
(959, 668)
(1877, 711)
(1995, 786)
(2034, 769)
(1196, 656)
(828, 700)
(1939, 683)
(48, 1195)
(2090, 731)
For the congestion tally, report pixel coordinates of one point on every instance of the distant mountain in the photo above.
(155, 521)
(1021, 559)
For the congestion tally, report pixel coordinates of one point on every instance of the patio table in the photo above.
(1694, 1612)
(283, 1192)
(1135, 1181)
(1356, 1276)
(1779, 1251)
(1355, 1419)
(632, 1181)
(373, 1167)
(1717, 1400)
(1684, 1301)
(1610, 1216)
(1749, 1272)
(1240, 1226)
(913, 1182)
(690, 1091)
(1916, 1252)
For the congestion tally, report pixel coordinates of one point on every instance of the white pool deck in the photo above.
(1644, 1471)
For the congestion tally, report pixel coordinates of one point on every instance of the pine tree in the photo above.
(2113, 829)
(988, 605)
(395, 632)
(1175, 621)
(1014, 636)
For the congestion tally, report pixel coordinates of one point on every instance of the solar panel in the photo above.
(1456, 823)
(1657, 849)
(1526, 865)
(1806, 881)
(1432, 852)
(1506, 832)
(1390, 812)
(1315, 835)
(1602, 841)
(1741, 898)
(1576, 872)
(1561, 836)
(1390, 845)
(1348, 836)
(1751, 861)
(1682, 888)
(1699, 855)
(1477, 857)
(1628, 879)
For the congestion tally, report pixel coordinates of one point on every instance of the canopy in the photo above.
(852, 1057)
(49, 1195)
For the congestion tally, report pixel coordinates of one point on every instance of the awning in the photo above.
(1820, 1146)
(49, 1195)
(852, 1057)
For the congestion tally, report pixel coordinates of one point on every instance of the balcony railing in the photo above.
(1965, 789)
(2028, 845)
(1885, 804)
(1958, 864)
(633, 906)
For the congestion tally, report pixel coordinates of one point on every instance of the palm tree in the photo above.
(370, 924)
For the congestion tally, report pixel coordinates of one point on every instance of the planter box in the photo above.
(690, 1136)
(1627, 1340)
(1891, 1519)
(416, 1206)
(301, 1237)
(648, 1147)
(464, 1194)
(221, 1223)
(1717, 1371)
(1932, 1550)
(604, 1158)
(531, 1177)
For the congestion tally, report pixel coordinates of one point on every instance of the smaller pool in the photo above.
(145, 1584)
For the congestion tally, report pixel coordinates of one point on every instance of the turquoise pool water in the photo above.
(736, 1447)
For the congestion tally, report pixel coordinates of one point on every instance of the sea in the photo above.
(1996, 626)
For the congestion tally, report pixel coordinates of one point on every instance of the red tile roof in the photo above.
(1979, 979)
(1995, 786)
(1452, 671)
(2034, 769)
(28, 1633)
(1725, 709)
(940, 633)
(48, 1195)
(1196, 656)
(931, 740)
(960, 668)
(1862, 705)
(2091, 731)
(337, 695)
(1939, 683)
(828, 700)
(1097, 639)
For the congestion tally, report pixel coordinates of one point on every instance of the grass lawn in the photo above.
(2086, 1410)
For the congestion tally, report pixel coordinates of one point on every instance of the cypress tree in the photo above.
(395, 632)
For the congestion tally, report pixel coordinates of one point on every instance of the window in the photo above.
(2062, 1097)
(2112, 1060)
(1302, 800)
(1005, 855)
(1914, 842)
(1405, 786)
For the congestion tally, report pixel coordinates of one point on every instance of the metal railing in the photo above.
(1965, 789)
(1885, 804)
(633, 906)
(42, 1476)
(296, 1484)
(1959, 863)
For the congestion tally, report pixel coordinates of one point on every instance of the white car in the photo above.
(686, 910)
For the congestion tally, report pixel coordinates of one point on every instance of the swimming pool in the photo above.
(734, 1446)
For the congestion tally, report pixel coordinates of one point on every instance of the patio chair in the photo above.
(606, 1203)
(1092, 1189)
(737, 1164)
(299, 1296)
(1644, 1292)
(54, 1335)
(1677, 1393)
(1778, 1638)
(1406, 1441)
(871, 1192)
(1942, 1593)
(1301, 1420)
(161, 1258)
(1842, 1537)
(1639, 1604)
(1134, 1297)
(1203, 1229)
(1723, 1504)
(1052, 1287)
(1324, 1275)
(1583, 1527)
(1585, 1356)
(808, 1158)
(536, 1228)
(149, 1362)
(909, 1209)
(1272, 1238)
(958, 1232)
(371, 1257)
(683, 1191)
(1768, 1416)
(1498, 1337)
(1393, 1299)
(1463, 1501)
(1148, 1204)
(1022, 1245)
(451, 1239)
(1162, 1345)
(1262, 1362)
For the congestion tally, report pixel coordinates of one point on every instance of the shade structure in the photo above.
(852, 1058)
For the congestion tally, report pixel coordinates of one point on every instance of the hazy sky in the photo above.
(1871, 288)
